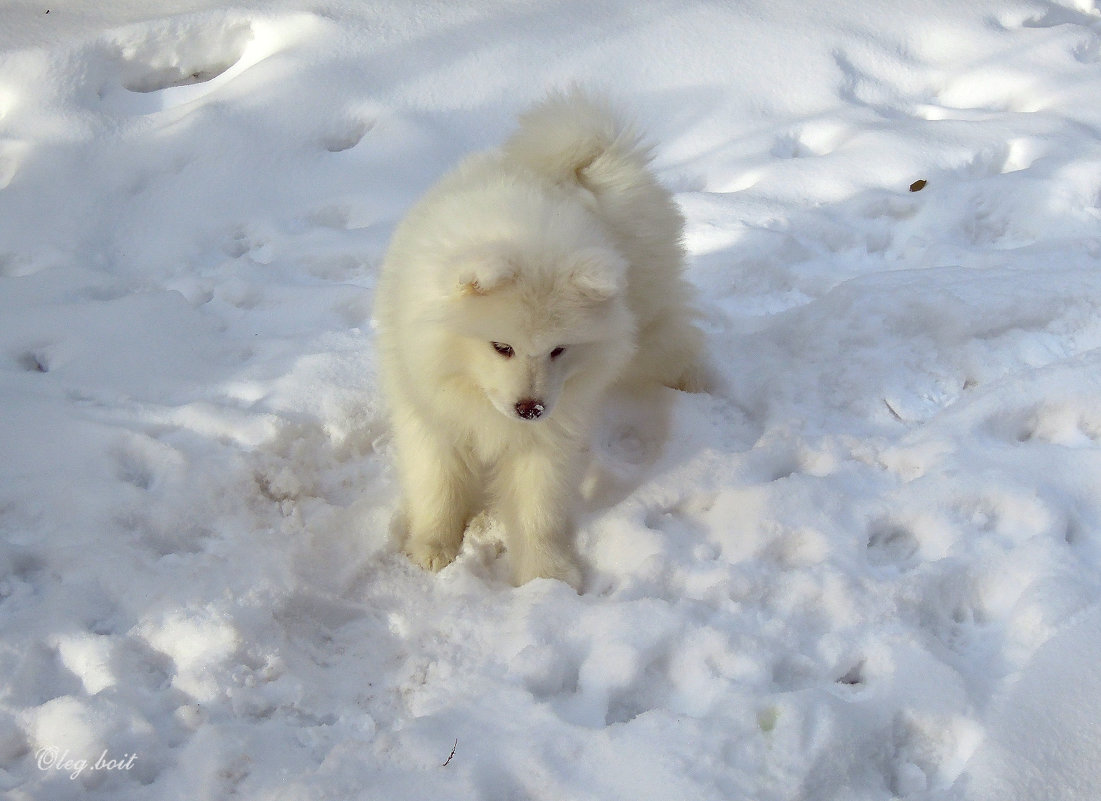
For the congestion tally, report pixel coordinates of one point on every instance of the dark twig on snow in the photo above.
(451, 755)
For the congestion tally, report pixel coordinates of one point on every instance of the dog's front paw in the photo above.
(560, 566)
(426, 549)
(434, 556)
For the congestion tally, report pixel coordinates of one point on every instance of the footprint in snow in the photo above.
(1068, 425)
(21, 571)
(1055, 15)
(812, 139)
(252, 241)
(1088, 52)
(35, 360)
(197, 56)
(162, 64)
(683, 519)
(892, 544)
(142, 460)
(347, 135)
(615, 683)
(951, 610)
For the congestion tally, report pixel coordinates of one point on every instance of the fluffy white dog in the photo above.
(514, 294)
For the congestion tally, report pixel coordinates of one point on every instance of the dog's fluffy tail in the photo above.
(575, 136)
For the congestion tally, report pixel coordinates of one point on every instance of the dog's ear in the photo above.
(598, 275)
(484, 269)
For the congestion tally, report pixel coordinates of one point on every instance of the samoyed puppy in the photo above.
(515, 293)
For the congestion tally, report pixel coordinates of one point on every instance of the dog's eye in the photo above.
(558, 351)
(503, 349)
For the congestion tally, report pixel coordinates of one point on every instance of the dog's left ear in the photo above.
(598, 275)
(484, 269)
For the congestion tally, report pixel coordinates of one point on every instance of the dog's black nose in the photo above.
(529, 408)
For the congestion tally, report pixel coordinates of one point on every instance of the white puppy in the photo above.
(514, 294)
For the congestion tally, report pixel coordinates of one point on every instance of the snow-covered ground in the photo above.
(868, 568)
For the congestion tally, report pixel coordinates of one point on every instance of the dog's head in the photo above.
(532, 321)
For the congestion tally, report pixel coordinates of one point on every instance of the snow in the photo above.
(867, 567)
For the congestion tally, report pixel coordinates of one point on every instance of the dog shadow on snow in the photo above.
(627, 441)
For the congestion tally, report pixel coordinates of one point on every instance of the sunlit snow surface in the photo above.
(867, 567)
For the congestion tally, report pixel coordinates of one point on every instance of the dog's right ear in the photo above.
(597, 274)
(484, 269)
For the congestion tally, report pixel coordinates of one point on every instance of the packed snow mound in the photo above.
(865, 567)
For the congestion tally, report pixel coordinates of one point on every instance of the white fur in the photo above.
(560, 239)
